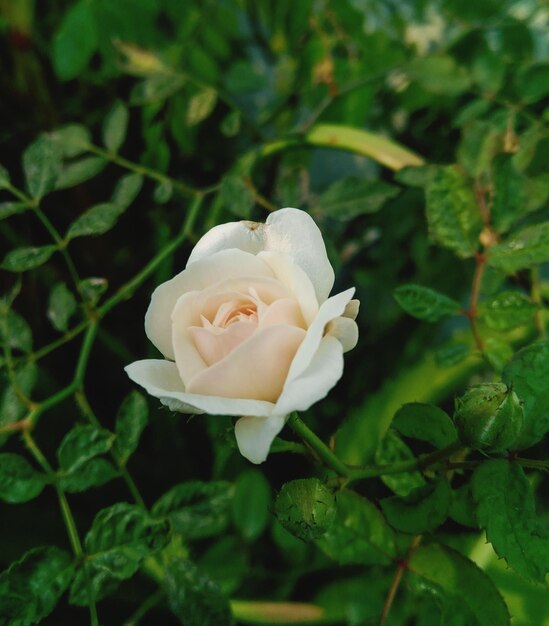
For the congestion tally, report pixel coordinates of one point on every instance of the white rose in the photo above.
(248, 328)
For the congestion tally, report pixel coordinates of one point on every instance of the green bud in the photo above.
(489, 417)
(306, 508)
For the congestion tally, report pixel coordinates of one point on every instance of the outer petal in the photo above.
(314, 383)
(255, 369)
(345, 330)
(208, 271)
(161, 379)
(254, 435)
(290, 231)
(292, 276)
(332, 308)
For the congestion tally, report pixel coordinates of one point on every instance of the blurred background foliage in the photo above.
(256, 104)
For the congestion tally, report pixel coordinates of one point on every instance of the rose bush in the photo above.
(248, 329)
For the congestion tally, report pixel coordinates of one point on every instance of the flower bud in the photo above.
(489, 417)
(306, 508)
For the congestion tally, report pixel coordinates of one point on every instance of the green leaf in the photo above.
(423, 510)
(12, 208)
(425, 303)
(193, 597)
(163, 192)
(461, 580)
(509, 194)
(497, 352)
(350, 197)
(453, 216)
(15, 331)
(156, 88)
(115, 127)
(532, 83)
(439, 75)
(42, 166)
(4, 177)
(416, 175)
(237, 196)
(506, 310)
(11, 406)
(91, 289)
(230, 126)
(526, 248)
(131, 420)
(93, 473)
(480, 142)
(80, 171)
(506, 509)
(76, 40)
(463, 507)
(19, 482)
(127, 189)
(306, 508)
(73, 139)
(251, 503)
(120, 537)
(527, 374)
(61, 306)
(23, 259)
(391, 450)
(196, 509)
(31, 587)
(201, 106)
(95, 221)
(359, 535)
(452, 353)
(81, 444)
(425, 422)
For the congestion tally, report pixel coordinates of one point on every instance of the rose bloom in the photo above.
(248, 329)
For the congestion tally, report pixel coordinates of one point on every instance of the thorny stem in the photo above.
(472, 312)
(401, 568)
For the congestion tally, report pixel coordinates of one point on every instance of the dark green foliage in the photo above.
(415, 135)
(31, 587)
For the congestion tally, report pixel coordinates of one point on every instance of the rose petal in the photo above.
(332, 308)
(256, 369)
(290, 231)
(214, 346)
(283, 311)
(296, 280)
(254, 435)
(352, 308)
(161, 379)
(190, 306)
(314, 383)
(204, 273)
(345, 330)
